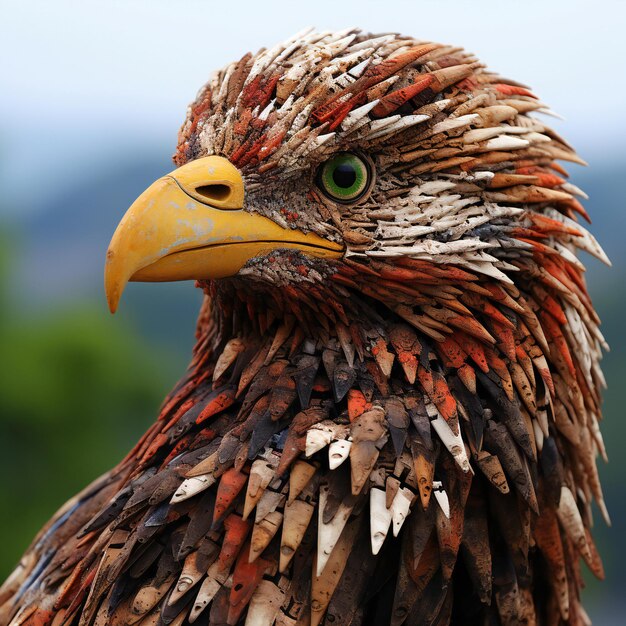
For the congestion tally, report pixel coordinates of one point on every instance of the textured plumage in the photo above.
(406, 435)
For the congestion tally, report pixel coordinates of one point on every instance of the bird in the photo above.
(391, 415)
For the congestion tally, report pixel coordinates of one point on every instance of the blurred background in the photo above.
(92, 95)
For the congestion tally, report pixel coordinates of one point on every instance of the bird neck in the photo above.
(354, 303)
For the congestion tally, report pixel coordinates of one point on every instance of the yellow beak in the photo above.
(190, 225)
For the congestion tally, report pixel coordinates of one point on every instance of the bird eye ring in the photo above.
(345, 177)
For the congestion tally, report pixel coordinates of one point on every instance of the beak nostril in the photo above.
(217, 192)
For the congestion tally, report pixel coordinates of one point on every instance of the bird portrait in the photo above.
(391, 415)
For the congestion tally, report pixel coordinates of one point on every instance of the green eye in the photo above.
(345, 177)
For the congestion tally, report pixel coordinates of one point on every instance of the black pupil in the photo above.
(344, 175)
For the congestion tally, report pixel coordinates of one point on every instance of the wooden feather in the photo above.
(405, 435)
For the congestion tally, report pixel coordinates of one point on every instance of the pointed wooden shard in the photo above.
(264, 604)
(343, 378)
(320, 435)
(363, 457)
(369, 434)
(380, 518)
(304, 376)
(383, 357)
(282, 334)
(467, 374)
(283, 395)
(269, 502)
(316, 439)
(300, 474)
(407, 347)
(190, 575)
(263, 532)
(218, 401)
(323, 586)
(513, 462)
(297, 516)
(392, 484)
(424, 472)
(328, 534)
(491, 467)
(235, 533)
(345, 341)
(246, 578)
(206, 466)
(192, 486)
(454, 443)
(572, 522)
(400, 508)
(329, 359)
(147, 598)
(398, 422)
(230, 352)
(252, 368)
(231, 484)
(357, 404)
(261, 475)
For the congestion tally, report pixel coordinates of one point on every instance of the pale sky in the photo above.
(83, 80)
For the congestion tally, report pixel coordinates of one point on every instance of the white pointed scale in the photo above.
(316, 439)
(320, 435)
(206, 593)
(453, 443)
(328, 534)
(506, 142)
(191, 486)
(454, 122)
(379, 124)
(483, 134)
(404, 122)
(400, 508)
(338, 452)
(357, 114)
(380, 519)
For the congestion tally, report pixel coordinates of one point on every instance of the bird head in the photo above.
(347, 162)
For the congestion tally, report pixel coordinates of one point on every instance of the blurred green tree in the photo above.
(76, 390)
